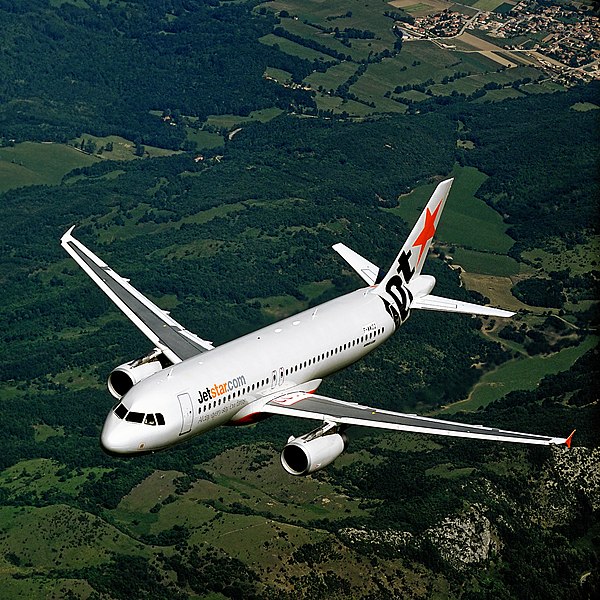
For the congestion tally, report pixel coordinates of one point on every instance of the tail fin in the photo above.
(409, 261)
(394, 288)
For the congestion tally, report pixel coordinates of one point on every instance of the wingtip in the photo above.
(68, 233)
(570, 439)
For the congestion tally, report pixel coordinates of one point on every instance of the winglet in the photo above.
(68, 234)
(568, 440)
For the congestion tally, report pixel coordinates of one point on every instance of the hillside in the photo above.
(235, 232)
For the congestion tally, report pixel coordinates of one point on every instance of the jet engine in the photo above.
(313, 451)
(125, 376)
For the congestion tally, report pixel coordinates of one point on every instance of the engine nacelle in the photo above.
(125, 376)
(302, 456)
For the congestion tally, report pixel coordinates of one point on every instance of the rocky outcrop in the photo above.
(465, 539)
(383, 538)
(566, 478)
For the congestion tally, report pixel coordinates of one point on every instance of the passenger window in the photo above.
(135, 417)
(160, 419)
(150, 420)
(121, 411)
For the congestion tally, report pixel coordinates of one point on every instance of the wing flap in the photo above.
(312, 406)
(167, 334)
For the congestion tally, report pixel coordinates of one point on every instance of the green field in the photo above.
(585, 106)
(367, 14)
(499, 95)
(420, 61)
(204, 139)
(523, 373)
(545, 87)
(487, 5)
(496, 288)
(293, 48)
(32, 163)
(353, 108)
(333, 77)
(467, 220)
(278, 75)
(231, 121)
(123, 149)
(467, 85)
(486, 263)
(311, 33)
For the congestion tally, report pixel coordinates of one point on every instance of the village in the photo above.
(563, 39)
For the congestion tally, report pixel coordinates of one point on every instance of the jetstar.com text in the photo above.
(218, 389)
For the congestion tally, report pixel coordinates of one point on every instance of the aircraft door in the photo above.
(187, 413)
(274, 379)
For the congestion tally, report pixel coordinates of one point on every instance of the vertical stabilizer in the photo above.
(409, 262)
(419, 240)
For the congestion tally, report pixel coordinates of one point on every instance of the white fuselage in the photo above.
(230, 384)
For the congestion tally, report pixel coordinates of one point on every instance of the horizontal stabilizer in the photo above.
(431, 302)
(366, 269)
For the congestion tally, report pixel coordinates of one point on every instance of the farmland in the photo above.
(469, 65)
(220, 188)
(523, 373)
(34, 163)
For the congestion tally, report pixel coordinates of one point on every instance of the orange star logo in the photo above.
(428, 230)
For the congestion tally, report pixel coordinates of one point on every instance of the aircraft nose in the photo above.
(112, 440)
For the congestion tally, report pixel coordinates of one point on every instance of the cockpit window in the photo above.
(121, 411)
(135, 417)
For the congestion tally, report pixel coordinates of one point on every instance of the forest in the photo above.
(102, 68)
(241, 238)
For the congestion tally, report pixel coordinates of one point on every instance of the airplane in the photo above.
(186, 386)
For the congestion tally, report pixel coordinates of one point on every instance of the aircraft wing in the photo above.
(312, 406)
(168, 335)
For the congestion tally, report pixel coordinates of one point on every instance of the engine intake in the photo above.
(125, 376)
(311, 453)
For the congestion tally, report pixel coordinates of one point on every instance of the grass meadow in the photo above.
(467, 221)
(523, 373)
(32, 163)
